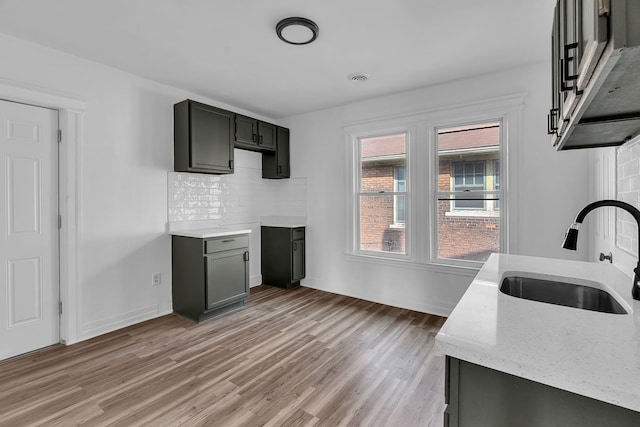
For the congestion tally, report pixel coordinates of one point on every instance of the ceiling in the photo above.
(228, 50)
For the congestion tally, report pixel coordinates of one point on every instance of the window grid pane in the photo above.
(468, 176)
(376, 216)
(382, 198)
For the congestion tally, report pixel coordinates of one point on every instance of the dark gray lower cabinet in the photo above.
(481, 397)
(210, 276)
(282, 256)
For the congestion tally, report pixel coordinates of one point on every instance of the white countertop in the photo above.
(204, 233)
(283, 221)
(585, 352)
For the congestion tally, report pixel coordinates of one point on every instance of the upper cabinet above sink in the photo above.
(595, 73)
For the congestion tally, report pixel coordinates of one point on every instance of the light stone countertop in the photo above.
(204, 233)
(283, 221)
(585, 352)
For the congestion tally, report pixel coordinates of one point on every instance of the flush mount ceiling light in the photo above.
(297, 30)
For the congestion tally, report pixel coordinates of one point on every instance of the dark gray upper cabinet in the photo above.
(276, 164)
(252, 134)
(246, 134)
(266, 136)
(595, 78)
(203, 138)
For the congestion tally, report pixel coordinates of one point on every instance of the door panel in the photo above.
(29, 287)
(25, 290)
(24, 195)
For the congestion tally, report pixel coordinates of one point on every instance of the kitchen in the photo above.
(119, 160)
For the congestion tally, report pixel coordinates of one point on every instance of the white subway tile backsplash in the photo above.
(239, 198)
(628, 190)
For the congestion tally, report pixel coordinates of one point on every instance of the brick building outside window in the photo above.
(469, 191)
(383, 193)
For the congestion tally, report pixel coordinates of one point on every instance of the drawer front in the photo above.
(297, 233)
(226, 243)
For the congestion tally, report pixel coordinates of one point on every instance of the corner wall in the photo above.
(552, 187)
(125, 154)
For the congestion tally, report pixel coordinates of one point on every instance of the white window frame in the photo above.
(354, 170)
(422, 157)
(397, 223)
(464, 212)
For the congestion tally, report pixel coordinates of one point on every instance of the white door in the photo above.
(29, 290)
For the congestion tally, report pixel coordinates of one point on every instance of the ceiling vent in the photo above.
(358, 77)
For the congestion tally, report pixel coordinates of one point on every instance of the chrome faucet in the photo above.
(571, 238)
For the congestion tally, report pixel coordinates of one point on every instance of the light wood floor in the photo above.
(289, 358)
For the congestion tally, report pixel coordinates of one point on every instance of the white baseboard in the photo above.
(110, 324)
(433, 306)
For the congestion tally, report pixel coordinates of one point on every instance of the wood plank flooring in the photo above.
(289, 358)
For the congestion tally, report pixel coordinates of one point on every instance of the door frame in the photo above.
(70, 117)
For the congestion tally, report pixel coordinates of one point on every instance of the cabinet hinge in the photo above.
(59, 135)
(59, 222)
(60, 307)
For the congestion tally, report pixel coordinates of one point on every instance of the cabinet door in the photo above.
(203, 138)
(282, 153)
(266, 136)
(227, 276)
(246, 131)
(297, 253)
(553, 127)
(592, 29)
(275, 164)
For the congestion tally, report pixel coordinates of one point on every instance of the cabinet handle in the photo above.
(552, 118)
(279, 168)
(228, 240)
(261, 139)
(253, 137)
(246, 256)
(564, 64)
(230, 164)
(295, 246)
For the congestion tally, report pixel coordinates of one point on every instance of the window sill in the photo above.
(482, 214)
(397, 225)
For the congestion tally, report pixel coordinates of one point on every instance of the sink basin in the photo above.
(561, 293)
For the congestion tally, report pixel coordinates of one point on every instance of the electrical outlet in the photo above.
(156, 279)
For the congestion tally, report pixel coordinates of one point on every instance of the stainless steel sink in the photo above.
(561, 293)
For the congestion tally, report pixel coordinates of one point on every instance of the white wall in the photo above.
(552, 188)
(125, 155)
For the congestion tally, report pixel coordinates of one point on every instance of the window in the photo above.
(382, 193)
(468, 194)
(426, 190)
